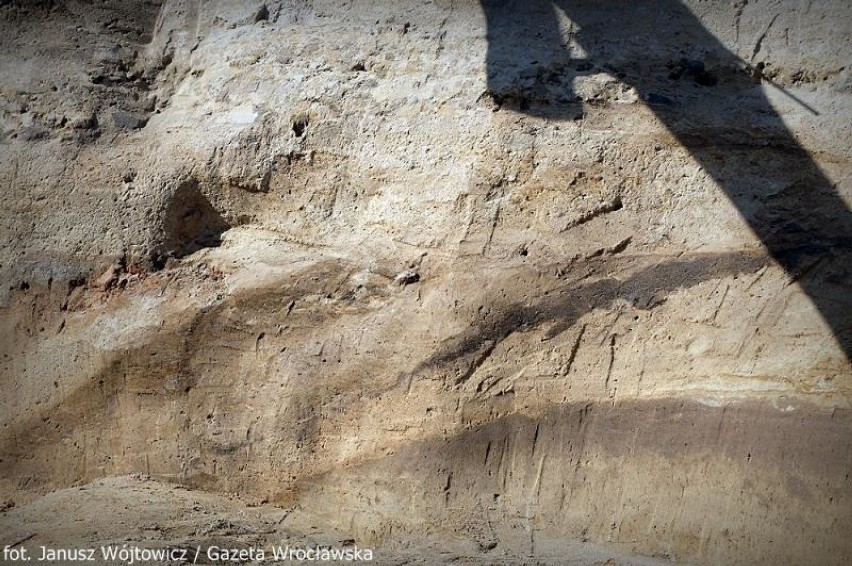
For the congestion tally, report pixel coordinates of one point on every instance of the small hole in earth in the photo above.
(299, 127)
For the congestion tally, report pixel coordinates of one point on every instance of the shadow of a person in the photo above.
(709, 100)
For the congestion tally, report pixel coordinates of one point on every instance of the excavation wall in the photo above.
(520, 274)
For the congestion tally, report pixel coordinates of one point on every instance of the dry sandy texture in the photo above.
(491, 283)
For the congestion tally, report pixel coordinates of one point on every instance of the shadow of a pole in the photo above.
(709, 99)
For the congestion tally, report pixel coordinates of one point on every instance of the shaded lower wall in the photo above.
(750, 482)
(742, 484)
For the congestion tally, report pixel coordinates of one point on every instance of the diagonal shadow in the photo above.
(645, 288)
(708, 99)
